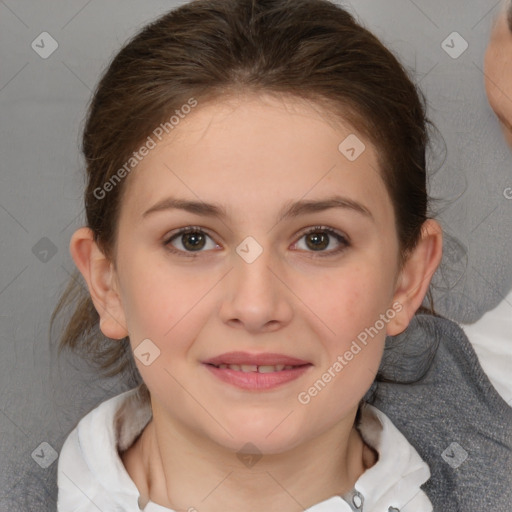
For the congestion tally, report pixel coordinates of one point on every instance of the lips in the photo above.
(257, 377)
(247, 359)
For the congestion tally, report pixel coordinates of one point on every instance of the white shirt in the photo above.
(92, 476)
(491, 337)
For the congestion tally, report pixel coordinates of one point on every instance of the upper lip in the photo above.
(269, 359)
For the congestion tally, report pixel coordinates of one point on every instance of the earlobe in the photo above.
(416, 274)
(99, 275)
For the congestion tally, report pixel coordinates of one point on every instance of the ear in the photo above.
(416, 274)
(99, 273)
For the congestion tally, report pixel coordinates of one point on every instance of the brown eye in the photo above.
(319, 238)
(189, 240)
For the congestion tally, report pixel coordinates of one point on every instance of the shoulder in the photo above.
(89, 466)
(450, 412)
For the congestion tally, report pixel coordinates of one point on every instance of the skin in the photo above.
(262, 153)
(498, 73)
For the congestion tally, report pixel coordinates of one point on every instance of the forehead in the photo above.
(244, 151)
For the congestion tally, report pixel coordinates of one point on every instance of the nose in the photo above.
(255, 294)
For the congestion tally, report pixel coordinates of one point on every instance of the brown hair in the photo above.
(310, 49)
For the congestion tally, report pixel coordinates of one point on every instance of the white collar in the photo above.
(90, 466)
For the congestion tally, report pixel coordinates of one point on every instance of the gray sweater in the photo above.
(452, 415)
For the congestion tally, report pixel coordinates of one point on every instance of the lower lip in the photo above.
(256, 381)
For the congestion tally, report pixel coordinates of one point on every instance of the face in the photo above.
(257, 278)
(498, 74)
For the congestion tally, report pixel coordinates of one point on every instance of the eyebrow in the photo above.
(289, 210)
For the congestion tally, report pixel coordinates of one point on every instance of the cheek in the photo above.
(156, 297)
(348, 308)
(164, 305)
(354, 299)
(355, 351)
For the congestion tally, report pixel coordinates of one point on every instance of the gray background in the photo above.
(42, 105)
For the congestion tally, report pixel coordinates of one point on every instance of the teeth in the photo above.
(254, 368)
(248, 368)
(270, 369)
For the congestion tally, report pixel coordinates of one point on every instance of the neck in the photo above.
(178, 469)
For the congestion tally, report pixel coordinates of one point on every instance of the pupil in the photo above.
(317, 239)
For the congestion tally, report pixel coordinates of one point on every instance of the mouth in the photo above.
(248, 368)
(256, 372)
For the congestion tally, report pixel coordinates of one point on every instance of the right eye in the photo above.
(192, 239)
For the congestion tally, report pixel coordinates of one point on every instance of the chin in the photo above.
(258, 446)
(268, 438)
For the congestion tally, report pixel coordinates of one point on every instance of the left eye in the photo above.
(319, 238)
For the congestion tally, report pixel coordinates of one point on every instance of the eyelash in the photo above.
(342, 239)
